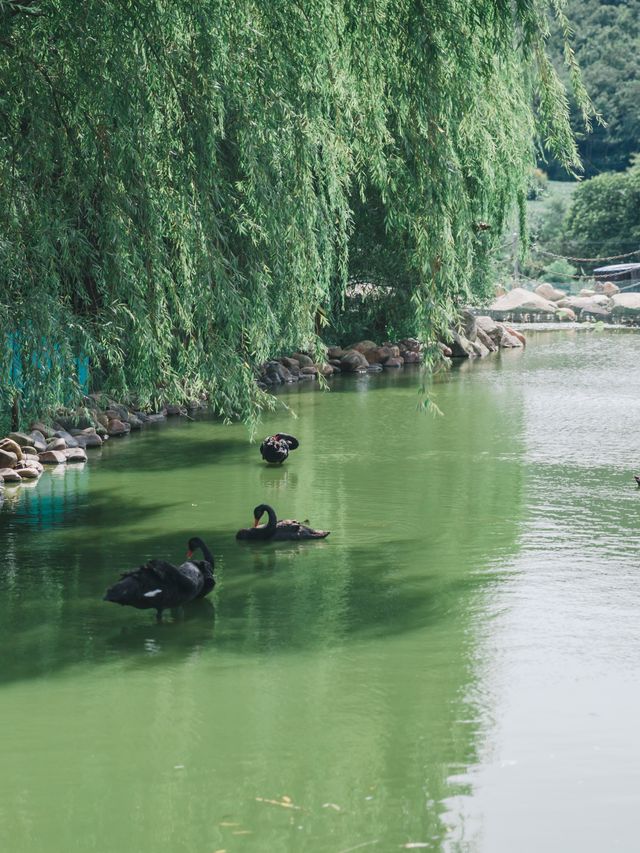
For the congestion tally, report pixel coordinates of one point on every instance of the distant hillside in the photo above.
(607, 46)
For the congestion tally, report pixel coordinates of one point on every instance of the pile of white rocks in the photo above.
(603, 302)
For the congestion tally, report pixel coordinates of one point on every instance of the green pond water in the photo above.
(457, 667)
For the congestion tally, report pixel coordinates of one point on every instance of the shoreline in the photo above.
(24, 455)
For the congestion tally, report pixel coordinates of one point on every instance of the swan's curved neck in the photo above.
(270, 526)
(206, 553)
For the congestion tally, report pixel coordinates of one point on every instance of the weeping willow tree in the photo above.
(186, 185)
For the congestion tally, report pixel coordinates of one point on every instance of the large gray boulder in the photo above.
(353, 361)
(484, 338)
(75, 454)
(20, 438)
(579, 303)
(37, 440)
(52, 457)
(489, 327)
(469, 327)
(11, 446)
(625, 305)
(68, 439)
(460, 347)
(548, 291)
(9, 475)
(89, 440)
(521, 301)
(7, 459)
(607, 287)
(479, 348)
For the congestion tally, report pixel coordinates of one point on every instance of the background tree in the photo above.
(185, 183)
(604, 216)
(607, 48)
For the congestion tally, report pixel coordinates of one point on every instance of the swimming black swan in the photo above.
(637, 479)
(275, 448)
(158, 585)
(276, 530)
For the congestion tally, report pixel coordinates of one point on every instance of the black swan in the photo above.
(158, 585)
(637, 479)
(275, 530)
(275, 448)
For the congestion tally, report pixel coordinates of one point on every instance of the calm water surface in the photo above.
(457, 667)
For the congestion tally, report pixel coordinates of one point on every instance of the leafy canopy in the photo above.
(185, 183)
(604, 217)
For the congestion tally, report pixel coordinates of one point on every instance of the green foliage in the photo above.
(604, 218)
(538, 184)
(606, 40)
(185, 183)
(559, 271)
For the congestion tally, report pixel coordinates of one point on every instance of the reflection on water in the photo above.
(382, 679)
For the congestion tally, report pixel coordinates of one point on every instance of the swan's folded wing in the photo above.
(168, 573)
(290, 440)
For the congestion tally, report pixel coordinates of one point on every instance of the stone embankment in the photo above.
(24, 455)
(546, 302)
(475, 337)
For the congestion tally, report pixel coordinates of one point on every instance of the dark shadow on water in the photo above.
(281, 598)
(175, 449)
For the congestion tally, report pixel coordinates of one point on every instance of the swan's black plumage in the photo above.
(275, 530)
(159, 585)
(275, 448)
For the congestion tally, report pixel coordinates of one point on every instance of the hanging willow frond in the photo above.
(184, 184)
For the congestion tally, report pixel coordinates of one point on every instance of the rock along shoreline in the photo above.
(25, 455)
